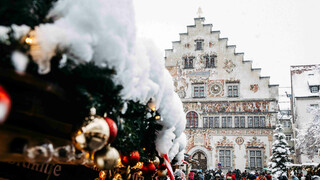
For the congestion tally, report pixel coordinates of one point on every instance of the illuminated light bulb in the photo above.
(117, 176)
(102, 174)
(29, 40)
(157, 117)
(151, 104)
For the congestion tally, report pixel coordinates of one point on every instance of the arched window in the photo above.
(202, 159)
(192, 119)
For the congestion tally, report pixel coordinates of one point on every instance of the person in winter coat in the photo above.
(261, 176)
(191, 175)
(269, 177)
(222, 176)
(251, 176)
(230, 176)
(294, 177)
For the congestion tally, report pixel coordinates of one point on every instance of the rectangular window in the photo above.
(236, 122)
(229, 91)
(225, 158)
(286, 123)
(199, 44)
(288, 137)
(256, 121)
(250, 121)
(255, 158)
(224, 122)
(205, 122)
(216, 122)
(198, 91)
(188, 62)
(201, 91)
(316, 106)
(233, 91)
(229, 122)
(211, 122)
(210, 61)
(262, 121)
(314, 89)
(242, 121)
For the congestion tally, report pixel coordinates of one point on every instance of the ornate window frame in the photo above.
(225, 144)
(255, 145)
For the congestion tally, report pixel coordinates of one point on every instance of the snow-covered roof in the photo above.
(310, 164)
(293, 165)
(302, 77)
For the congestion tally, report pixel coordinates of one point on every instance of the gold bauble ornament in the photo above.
(156, 161)
(117, 177)
(162, 173)
(106, 158)
(93, 134)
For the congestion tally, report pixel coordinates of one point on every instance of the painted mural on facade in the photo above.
(222, 107)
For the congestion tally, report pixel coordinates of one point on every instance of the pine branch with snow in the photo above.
(280, 153)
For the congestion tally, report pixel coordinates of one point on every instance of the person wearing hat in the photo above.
(217, 176)
(222, 176)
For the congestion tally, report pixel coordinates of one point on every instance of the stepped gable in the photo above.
(213, 44)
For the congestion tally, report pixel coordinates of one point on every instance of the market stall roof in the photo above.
(310, 164)
(303, 164)
(294, 165)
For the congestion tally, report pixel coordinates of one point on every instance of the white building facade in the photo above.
(285, 114)
(305, 85)
(231, 110)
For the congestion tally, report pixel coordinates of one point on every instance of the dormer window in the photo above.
(210, 61)
(199, 44)
(314, 89)
(188, 62)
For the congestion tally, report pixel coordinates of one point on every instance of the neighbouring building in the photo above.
(305, 84)
(285, 116)
(231, 110)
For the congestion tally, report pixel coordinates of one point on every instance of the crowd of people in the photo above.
(219, 175)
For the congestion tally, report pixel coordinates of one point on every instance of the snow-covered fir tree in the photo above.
(308, 140)
(280, 153)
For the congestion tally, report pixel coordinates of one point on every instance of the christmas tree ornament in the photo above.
(106, 158)
(156, 161)
(64, 154)
(125, 160)
(139, 165)
(162, 166)
(93, 134)
(157, 117)
(102, 175)
(151, 104)
(113, 129)
(134, 158)
(79, 157)
(117, 177)
(148, 168)
(5, 104)
(162, 173)
(38, 151)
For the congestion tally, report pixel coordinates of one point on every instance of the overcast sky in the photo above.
(274, 34)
